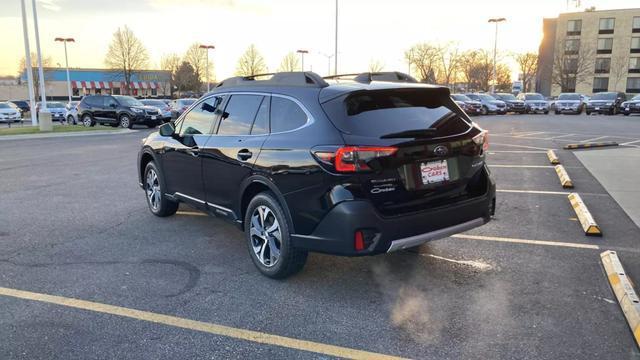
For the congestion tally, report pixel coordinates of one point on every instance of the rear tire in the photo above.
(268, 238)
(154, 190)
(588, 112)
(484, 111)
(557, 112)
(87, 120)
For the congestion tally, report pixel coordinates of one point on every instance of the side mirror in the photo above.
(167, 129)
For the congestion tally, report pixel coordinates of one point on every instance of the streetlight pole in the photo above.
(28, 70)
(335, 51)
(43, 96)
(66, 61)
(206, 48)
(495, 50)
(328, 62)
(302, 52)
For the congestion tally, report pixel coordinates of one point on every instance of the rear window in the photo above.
(378, 113)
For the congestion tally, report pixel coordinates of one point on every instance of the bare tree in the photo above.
(528, 67)
(425, 59)
(503, 78)
(197, 57)
(376, 66)
(571, 68)
(127, 54)
(22, 68)
(170, 62)
(450, 63)
(291, 62)
(251, 62)
(619, 69)
(468, 65)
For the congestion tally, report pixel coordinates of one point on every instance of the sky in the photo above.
(373, 30)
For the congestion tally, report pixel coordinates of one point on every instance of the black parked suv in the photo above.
(607, 103)
(116, 110)
(301, 164)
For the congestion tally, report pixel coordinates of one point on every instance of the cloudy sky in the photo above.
(370, 30)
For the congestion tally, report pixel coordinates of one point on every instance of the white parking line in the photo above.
(525, 241)
(630, 142)
(534, 192)
(594, 139)
(560, 136)
(522, 166)
(521, 146)
(530, 134)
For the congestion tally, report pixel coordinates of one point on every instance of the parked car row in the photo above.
(501, 103)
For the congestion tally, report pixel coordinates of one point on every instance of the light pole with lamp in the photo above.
(495, 50)
(206, 48)
(66, 62)
(28, 70)
(302, 52)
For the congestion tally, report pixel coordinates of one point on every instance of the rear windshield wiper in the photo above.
(418, 133)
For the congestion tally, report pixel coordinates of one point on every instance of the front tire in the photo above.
(484, 111)
(154, 190)
(125, 121)
(268, 238)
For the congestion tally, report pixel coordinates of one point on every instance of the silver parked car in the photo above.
(163, 108)
(56, 108)
(71, 113)
(569, 103)
(9, 113)
(490, 105)
(534, 103)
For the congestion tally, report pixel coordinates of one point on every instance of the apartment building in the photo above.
(589, 52)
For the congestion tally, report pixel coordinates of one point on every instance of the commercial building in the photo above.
(589, 52)
(143, 83)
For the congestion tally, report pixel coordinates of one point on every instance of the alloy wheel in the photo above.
(124, 121)
(86, 120)
(152, 189)
(266, 237)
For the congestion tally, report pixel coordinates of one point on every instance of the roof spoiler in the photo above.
(294, 78)
(368, 77)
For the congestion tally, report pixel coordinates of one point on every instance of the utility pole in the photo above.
(302, 52)
(43, 96)
(28, 70)
(495, 50)
(335, 51)
(66, 61)
(328, 62)
(206, 48)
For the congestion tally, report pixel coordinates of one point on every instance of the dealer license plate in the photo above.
(153, 117)
(434, 172)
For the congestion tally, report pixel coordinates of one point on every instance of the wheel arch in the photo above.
(254, 185)
(147, 156)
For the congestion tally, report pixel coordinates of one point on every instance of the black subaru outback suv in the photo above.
(117, 110)
(301, 164)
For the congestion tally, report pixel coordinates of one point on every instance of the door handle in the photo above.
(194, 151)
(244, 154)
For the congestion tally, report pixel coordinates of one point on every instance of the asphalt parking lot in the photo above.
(529, 285)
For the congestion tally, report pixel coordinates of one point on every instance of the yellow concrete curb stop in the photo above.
(553, 158)
(589, 225)
(589, 145)
(565, 180)
(623, 289)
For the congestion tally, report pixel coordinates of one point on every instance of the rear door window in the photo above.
(239, 114)
(286, 115)
(378, 113)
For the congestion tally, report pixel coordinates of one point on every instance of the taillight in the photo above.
(354, 158)
(482, 139)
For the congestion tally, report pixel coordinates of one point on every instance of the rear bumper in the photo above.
(335, 232)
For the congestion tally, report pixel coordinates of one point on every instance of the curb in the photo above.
(565, 180)
(589, 225)
(589, 145)
(66, 134)
(553, 158)
(623, 290)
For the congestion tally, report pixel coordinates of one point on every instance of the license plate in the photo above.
(626, 109)
(153, 117)
(434, 172)
(597, 108)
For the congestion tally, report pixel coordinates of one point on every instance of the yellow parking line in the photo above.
(235, 333)
(525, 241)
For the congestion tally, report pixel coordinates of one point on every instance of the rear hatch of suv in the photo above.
(412, 148)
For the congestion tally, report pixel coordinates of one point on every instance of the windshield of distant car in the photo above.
(156, 103)
(486, 97)
(460, 97)
(569, 97)
(4, 106)
(533, 97)
(604, 96)
(187, 101)
(54, 105)
(506, 97)
(128, 101)
(636, 98)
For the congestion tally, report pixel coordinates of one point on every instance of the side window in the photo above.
(286, 115)
(239, 114)
(200, 119)
(261, 124)
(108, 101)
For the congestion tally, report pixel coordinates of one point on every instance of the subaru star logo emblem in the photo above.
(440, 150)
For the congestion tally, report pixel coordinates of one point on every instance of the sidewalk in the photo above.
(618, 172)
(66, 134)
